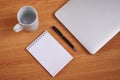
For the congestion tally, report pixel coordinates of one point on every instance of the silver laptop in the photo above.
(92, 22)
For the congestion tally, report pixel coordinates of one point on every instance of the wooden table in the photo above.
(17, 64)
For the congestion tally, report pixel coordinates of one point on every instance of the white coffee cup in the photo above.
(28, 19)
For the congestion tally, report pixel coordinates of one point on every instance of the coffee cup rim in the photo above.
(18, 15)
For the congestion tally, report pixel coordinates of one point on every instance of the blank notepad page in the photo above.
(49, 53)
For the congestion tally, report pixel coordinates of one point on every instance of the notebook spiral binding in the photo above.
(36, 40)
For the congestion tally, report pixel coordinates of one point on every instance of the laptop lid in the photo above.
(92, 22)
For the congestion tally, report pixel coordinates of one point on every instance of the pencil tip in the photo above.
(74, 49)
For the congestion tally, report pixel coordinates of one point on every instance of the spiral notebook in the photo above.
(49, 53)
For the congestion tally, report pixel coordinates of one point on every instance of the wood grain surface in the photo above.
(17, 64)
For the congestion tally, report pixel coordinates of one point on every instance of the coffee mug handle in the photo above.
(18, 28)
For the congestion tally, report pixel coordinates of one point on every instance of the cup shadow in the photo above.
(8, 23)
